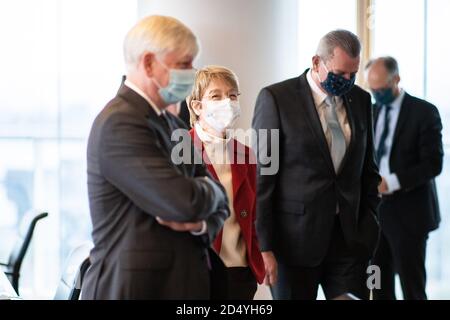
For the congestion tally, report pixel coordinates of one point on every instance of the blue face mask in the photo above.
(384, 96)
(336, 85)
(179, 87)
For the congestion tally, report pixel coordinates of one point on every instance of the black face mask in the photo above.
(384, 96)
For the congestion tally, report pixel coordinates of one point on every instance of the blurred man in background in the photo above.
(409, 152)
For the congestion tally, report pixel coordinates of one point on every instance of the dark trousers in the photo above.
(241, 283)
(403, 254)
(343, 270)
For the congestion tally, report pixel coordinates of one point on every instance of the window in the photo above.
(318, 17)
(63, 64)
(402, 39)
(436, 91)
(418, 43)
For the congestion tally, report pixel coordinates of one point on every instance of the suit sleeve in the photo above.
(265, 117)
(134, 162)
(215, 221)
(252, 178)
(368, 226)
(430, 152)
(370, 178)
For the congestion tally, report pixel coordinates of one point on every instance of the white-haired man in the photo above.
(148, 243)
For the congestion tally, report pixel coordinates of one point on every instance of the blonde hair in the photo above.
(159, 35)
(203, 78)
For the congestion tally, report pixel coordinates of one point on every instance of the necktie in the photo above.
(338, 146)
(381, 150)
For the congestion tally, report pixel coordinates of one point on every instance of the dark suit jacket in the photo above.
(131, 180)
(296, 207)
(416, 158)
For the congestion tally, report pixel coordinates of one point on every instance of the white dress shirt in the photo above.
(391, 178)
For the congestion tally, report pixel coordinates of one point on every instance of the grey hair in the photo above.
(389, 63)
(346, 40)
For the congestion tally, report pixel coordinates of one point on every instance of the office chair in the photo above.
(346, 296)
(78, 262)
(26, 229)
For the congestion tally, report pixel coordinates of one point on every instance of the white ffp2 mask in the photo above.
(221, 115)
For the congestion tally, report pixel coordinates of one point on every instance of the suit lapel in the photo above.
(402, 119)
(306, 102)
(158, 122)
(376, 115)
(239, 169)
(133, 98)
(154, 121)
(147, 111)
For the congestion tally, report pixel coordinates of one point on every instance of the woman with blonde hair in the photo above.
(214, 108)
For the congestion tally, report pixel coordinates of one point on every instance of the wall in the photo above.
(257, 39)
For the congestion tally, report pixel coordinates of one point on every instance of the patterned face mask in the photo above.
(336, 85)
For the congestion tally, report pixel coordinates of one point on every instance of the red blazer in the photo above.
(244, 201)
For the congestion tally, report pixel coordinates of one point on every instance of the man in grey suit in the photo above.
(316, 217)
(152, 220)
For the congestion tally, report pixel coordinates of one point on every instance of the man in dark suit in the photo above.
(408, 145)
(316, 217)
(152, 219)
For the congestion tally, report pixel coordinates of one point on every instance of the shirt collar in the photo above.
(136, 89)
(396, 104)
(318, 95)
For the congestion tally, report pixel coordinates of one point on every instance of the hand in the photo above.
(271, 267)
(181, 226)
(383, 187)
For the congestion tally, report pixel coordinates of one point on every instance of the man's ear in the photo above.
(397, 79)
(196, 106)
(148, 60)
(315, 63)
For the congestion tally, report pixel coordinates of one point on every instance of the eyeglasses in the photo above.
(217, 96)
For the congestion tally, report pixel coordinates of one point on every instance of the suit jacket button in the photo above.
(244, 214)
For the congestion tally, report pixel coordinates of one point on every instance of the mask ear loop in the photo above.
(317, 73)
(156, 83)
(323, 63)
(162, 63)
(165, 67)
